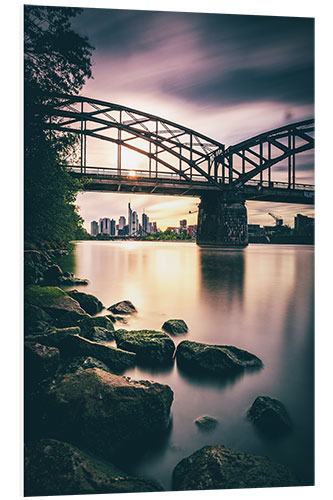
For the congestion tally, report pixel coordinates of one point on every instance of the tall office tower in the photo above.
(154, 227)
(145, 223)
(183, 224)
(112, 227)
(94, 227)
(122, 222)
(105, 225)
(130, 220)
(135, 223)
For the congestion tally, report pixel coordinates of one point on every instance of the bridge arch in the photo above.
(188, 155)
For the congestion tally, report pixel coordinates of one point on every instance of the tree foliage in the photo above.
(56, 60)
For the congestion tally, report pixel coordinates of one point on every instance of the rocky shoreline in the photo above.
(82, 412)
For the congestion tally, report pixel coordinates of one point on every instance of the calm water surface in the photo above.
(259, 299)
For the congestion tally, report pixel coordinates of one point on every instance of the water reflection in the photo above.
(259, 299)
(222, 276)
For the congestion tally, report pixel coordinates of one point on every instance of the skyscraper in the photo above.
(112, 227)
(122, 222)
(145, 223)
(94, 227)
(105, 225)
(130, 220)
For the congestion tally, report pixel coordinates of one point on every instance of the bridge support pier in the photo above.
(221, 224)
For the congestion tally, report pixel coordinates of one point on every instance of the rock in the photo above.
(151, 346)
(40, 361)
(71, 318)
(89, 322)
(88, 302)
(52, 274)
(106, 413)
(52, 299)
(36, 320)
(82, 363)
(57, 468)
(269, 415)
(54, 337)
(217, 467)
(98, 334)
(72, 281)
(71, 345)
(118, 360)
(206, 423)
(123, 307)
(175, 326)
(85, 322)
(215, 359)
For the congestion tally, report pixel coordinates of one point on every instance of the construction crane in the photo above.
(278, 220)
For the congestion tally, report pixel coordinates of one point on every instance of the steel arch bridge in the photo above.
(179, 160)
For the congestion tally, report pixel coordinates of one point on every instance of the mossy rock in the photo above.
(118, 360)
(102, 412)
(97, 334)
(217, 467)
(175, 326)
(52, 299)
(56, 468)
(81, 363)
(91, 304)
(151, 347)
(215, 359)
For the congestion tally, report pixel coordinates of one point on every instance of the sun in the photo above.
(131, 173)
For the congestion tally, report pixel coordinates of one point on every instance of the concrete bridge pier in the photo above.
(222, 224)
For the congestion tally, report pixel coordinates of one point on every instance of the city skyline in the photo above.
(227, 76)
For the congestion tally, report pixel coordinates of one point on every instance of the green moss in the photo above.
(43, 295)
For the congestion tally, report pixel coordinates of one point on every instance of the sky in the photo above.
(229, 77)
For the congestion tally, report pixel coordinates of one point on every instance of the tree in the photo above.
(56, 60)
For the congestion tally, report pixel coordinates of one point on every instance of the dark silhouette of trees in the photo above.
(56, 60)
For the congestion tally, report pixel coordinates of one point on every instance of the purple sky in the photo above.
(228, 76)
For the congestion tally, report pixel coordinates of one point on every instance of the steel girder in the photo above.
(190, 154)
(261, 152)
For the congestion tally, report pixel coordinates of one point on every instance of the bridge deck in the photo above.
(144, 182)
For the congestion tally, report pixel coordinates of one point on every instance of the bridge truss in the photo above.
(181, 160)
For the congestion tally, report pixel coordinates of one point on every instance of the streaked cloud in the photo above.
(228, 76)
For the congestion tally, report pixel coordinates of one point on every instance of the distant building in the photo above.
(105, 226)
(173, 229)
(154, 227)
(112, 227)
(304, 224)
(254, 229)
(122, 222)
(183, 224)
(130, 220)
(94, 228)
(145, 223)
(192, 230)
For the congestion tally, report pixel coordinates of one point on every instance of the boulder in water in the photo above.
(215, 359)
(175, 326)
(150, 346)
(123, 307)
(216, 467)
(102, 412)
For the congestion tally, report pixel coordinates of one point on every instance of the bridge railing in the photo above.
(131, 174)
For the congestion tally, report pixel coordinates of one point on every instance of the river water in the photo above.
(260, 299)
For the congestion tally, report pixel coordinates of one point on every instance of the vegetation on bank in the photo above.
(166, 235)
(56, 60)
